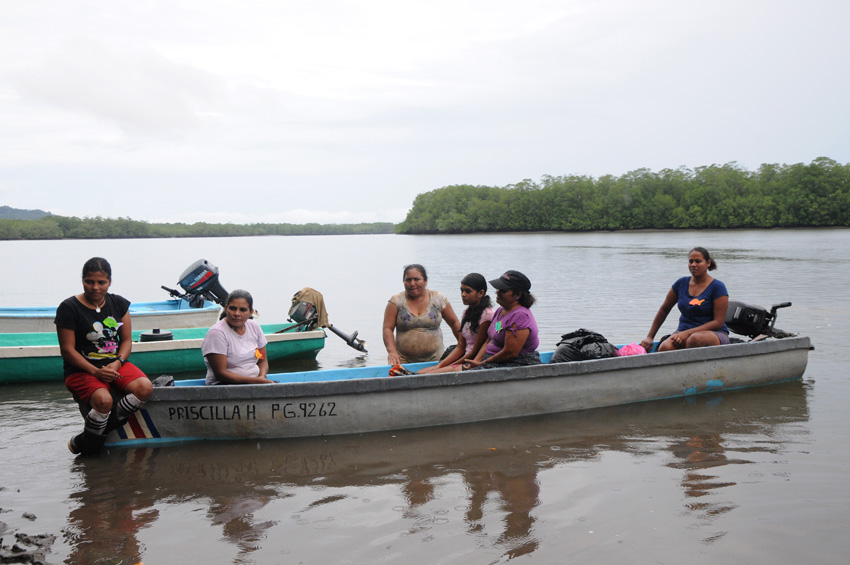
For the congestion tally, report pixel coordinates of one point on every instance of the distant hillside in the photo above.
(7, 213)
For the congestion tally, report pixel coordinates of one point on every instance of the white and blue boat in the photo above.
(366, 399)
(171, 313)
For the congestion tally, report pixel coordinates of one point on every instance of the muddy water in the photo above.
(756, 476)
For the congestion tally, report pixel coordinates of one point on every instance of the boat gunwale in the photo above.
(374, 384)
(39, 312)
(139, 347)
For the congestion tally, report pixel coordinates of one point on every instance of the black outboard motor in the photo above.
(306, 314)
(753, 321)
(200, 281)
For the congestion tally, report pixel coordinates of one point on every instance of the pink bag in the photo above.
(631, 349)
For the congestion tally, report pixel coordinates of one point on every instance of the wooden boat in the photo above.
(346, 401)
(35, 357)
(172, 313)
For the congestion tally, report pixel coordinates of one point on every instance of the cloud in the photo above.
(190, 109)
(138, 90)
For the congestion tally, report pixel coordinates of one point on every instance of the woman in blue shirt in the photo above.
(702, 301)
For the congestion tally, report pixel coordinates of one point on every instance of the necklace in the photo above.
(96, 307)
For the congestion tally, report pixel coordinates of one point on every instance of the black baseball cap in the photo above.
(513, 280)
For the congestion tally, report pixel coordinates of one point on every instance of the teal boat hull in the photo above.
(35, 357)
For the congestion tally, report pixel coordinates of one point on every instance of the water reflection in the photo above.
(519, 495)
(702, 451)
(481, 480)
(695, 456)
(104, 526)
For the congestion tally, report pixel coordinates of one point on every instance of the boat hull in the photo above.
(40, 361)
(362, 400)
(174, 313)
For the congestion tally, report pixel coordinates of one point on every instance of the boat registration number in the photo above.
(303, 410)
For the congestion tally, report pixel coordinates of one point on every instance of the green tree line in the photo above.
(727, 196)
(64, 227)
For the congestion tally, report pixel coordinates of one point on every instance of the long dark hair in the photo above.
(472, 314)
(526, 299)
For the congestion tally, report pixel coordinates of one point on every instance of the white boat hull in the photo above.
(363, 400)
(146, 316)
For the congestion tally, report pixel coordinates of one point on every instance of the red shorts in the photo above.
(83, 385)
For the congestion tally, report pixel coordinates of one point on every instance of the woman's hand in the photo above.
(646, 343)
(388, 333)
(680, 339)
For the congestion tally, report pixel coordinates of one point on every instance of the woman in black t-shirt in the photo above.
(95, 339)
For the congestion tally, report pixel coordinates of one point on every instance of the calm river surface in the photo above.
(759, 476)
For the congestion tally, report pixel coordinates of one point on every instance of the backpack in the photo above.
(582, 345)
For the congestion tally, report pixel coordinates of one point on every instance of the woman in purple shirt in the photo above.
(512, 335)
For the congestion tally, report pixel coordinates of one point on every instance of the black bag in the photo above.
(582, 345)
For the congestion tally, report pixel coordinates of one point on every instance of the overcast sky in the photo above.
(338, 112)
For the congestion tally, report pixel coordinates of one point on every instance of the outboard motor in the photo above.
(200, 282)
(306, 314)
(753, 321)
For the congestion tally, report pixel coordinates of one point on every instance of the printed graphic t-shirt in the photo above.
(95, 333)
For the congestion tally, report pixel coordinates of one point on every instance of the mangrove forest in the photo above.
(711, 197)
(68, 227)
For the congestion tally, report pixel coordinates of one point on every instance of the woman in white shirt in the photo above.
(235, 348)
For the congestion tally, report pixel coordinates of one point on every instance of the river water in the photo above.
(750, 477)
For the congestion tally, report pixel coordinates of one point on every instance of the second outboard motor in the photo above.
(753, 321)
(745, 319)
(200, 282)
(308, 311)
(304, 314)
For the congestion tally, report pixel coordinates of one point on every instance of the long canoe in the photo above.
(35, 357)
(357, 400)
(482, 448)
(172, 313)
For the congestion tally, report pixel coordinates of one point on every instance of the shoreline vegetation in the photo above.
(63, 227)
(711, 197)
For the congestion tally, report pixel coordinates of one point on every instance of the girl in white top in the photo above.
(235, 348)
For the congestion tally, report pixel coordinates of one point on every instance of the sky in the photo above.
(343, 112)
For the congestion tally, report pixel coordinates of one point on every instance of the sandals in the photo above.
(398, 370)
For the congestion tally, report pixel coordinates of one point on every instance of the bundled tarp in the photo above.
(581, 345)
(310, 297)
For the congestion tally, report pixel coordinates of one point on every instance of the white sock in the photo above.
(127, 405)
(96, 422)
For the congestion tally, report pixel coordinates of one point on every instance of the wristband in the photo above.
(121, 359)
